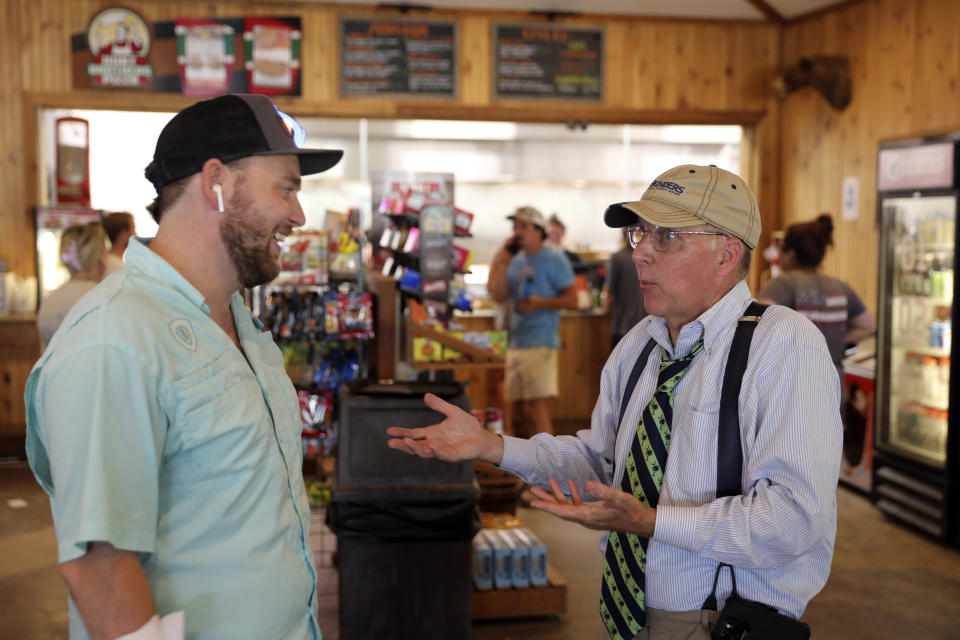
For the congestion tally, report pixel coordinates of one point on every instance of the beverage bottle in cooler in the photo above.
(936, 280)
(936, 337)
(944, 381)
(925, 281)
(929, 376)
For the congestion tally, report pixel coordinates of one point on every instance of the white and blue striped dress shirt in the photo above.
(779, 534)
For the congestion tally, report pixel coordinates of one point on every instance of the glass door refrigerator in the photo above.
(915, 466)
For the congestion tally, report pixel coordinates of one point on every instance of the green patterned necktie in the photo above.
(622, 594)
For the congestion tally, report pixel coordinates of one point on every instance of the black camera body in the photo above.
(748, 620)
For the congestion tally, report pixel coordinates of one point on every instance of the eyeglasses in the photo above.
(660, 237)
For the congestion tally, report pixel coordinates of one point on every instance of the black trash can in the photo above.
(404, 524)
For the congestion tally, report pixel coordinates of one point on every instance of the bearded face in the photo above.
(249, 240)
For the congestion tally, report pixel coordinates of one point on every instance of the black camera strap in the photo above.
(710, 604)
(729, 450)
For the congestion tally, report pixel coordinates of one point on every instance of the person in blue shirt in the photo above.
(160, 419)
(538, 280)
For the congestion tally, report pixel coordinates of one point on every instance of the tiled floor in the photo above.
(886, 582)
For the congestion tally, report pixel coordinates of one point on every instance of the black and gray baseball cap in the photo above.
(229, 127)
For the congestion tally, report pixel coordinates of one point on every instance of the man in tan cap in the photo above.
(538, 280)
(647, 469)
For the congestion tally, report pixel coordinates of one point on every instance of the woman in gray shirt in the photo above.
(829, 303)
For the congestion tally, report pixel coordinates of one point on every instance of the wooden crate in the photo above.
(521, 603)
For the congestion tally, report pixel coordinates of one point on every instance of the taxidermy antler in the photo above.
(829, 75)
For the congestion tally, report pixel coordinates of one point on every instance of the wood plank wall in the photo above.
(905, 63)
(657, 71)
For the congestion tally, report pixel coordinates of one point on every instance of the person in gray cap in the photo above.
(646, 471)
(161, 420)
(538, 280)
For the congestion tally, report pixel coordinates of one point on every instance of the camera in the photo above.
(749, 620)
(731, 629)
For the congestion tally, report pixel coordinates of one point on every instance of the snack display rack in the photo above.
(320, 316)
(421, 255)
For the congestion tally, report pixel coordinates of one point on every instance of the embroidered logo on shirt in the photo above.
(182, 332)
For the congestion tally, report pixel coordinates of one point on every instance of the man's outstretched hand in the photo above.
(457, 437)
(614, 510)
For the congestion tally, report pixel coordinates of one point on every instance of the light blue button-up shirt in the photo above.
(151, 431)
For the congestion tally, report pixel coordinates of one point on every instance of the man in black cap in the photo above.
(161, 420)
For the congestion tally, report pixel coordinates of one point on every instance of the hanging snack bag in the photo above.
(331, 315)
(356, 315)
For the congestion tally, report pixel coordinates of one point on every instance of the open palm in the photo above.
(457, 437)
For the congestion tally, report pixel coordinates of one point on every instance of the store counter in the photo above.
(19, 350)
(585, 336)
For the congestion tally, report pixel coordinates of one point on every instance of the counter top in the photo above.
(18, 317)
(490, 313)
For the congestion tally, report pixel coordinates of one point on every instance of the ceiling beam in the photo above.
(772, 14)
(816, 13)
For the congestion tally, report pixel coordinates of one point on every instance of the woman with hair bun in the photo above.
(829, 303)
(83, 249)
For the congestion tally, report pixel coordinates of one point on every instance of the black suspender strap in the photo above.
(729, 451)
(634, 376)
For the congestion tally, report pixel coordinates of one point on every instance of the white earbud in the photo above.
(217, 189)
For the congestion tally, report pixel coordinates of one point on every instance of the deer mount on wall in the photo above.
(829, 75)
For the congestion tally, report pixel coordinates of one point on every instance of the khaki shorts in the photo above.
(530, 373)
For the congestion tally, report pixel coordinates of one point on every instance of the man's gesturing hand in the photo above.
(458, 437)
(614, 510)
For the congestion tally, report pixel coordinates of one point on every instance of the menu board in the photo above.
(397, 57)
(548, 61)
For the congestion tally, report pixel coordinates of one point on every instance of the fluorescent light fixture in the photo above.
(702, 134)
(461, 130)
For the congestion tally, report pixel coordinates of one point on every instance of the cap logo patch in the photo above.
(294, 130)
(663, 185)
(182, 332)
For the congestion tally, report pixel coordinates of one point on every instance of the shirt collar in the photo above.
(141, 258)
(711, 324)
(718, 319)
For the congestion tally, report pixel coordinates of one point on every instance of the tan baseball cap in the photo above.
(529, 214)
(691, 195)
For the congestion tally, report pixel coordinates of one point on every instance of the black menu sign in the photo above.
(548, 61)
(397, 56)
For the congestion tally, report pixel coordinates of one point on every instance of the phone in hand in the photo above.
(514, 245)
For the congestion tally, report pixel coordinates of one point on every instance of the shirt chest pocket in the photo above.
(222, 423)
